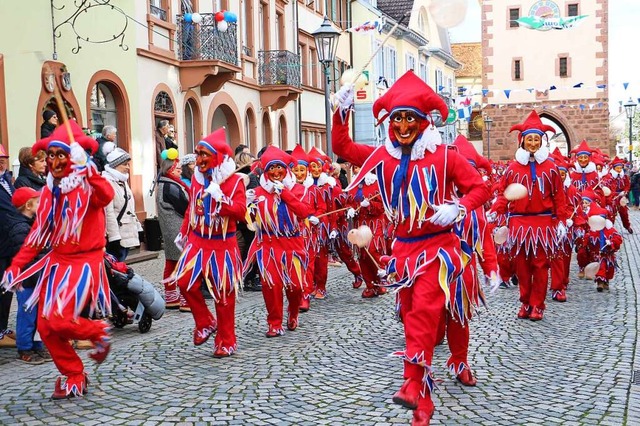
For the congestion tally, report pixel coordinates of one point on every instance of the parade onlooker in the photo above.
(109, 134)
(162, 129)
(33, 169)
(343, 177)
(26, 201)
(188, 164)
(7, 337)
(635, 188)
(123, 226)
(241, 148)
(170, 138)
(50, 123)
(172, 200)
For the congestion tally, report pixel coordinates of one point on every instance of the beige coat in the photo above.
(127, 230)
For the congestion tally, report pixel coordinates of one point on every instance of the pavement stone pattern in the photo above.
(573, 368)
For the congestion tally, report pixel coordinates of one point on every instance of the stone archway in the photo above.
(564, 137)
(224, 112)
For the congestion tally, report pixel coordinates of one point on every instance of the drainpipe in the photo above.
(349, 25)
(298, 101)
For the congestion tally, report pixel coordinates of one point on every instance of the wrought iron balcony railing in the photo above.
(204, 42)
(278, 67)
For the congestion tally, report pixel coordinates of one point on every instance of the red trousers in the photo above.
(560, 269)
(624, 216)
(320, 269)
(225, 312)
(533, 275)
(273, 300)
(583, 256)
(346, 255)
(56, 332)
(606, 271)
(309, 274)
(505, 264)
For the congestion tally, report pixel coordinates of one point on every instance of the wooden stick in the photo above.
(61, 107)
(345, 208)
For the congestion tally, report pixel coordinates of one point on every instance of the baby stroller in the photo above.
(131, 292)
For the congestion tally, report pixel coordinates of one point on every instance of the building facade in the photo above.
(561, 72)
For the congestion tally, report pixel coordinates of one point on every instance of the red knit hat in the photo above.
(60, 138)
(300, 156)
(596, 210)
(216, 143)
(532, 124)
(583, 148)
(409, 92)
(274, 155)
(22, 195)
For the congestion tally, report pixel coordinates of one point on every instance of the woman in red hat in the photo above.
(73, 281)
(537, 221)
(277, 211)
(208, 242)
(416, 176)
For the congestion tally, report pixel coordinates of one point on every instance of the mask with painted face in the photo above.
(300, 172)
(276, 172)
(205, 159)
(58, 162)
(315, 169)
(406, 126)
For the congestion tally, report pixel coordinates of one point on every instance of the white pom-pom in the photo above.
(624, 201)
(500, 235)
(597, 223)
(108, 147)
(227, 168)
(591, 270)
(606, 191)
(515, 191)
(360, 237)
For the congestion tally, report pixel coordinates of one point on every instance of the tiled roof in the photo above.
(396, 8)
(470, 56)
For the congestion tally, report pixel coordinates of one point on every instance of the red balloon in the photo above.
(219, 16)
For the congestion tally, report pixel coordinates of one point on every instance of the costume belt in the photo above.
(423, 237)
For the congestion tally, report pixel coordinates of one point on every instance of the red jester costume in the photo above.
(602, 245)
(277, 212)
(585, 174)
(620, 185)
(536, 221)
(73, 284)
(417, 178)
(208, 237)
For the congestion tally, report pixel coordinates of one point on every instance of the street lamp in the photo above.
(488, 122)
(630, 109)
(326, 38)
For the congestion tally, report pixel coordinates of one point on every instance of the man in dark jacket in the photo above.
(109, 134)
(635, 188)
(7, 337)
(344, 166)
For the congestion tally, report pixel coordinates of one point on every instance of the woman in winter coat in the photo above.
(122, 223)
(33, 169)
(172, 200)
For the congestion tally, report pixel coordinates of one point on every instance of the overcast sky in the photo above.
(624, 58)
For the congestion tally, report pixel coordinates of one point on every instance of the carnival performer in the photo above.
(585, 174)
(619, 184)
(277, 210)
(537, 221)
(603, 245)
(367, 209)
(73, 285)
(416, 176)
(208, 241)
(340, 244)
(581, 229)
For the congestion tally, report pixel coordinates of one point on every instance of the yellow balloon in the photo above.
(349, 77)
(172, 153)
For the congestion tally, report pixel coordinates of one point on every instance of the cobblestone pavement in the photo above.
(575, 367)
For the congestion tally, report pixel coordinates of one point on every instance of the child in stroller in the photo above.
(134, 300)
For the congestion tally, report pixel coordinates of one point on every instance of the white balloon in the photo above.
(349, 77)
(222, 26)
(515, 191)
(196, 18)
(591, 270)
(624, 201)
(500, 235)
(606, 191)
(448, 13)
(597, 223)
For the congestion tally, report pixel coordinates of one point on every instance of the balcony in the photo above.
(279, 77)
(208, 57)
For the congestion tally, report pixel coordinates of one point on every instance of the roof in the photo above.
(395, 9)
(470, 56)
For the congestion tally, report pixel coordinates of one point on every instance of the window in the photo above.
(572, 9)
(439, 81)
(517, 69)
(390, 69)
(563, 66)
(378, 62)
(246, 22)
(424, 75)
(103, 108)
(410, 62)
(158, 9)
(514, 15)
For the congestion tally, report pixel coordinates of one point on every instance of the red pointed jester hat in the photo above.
(583, 148)
(532, 124)
(617, 161)
(468, 151)
(216, 143)
(61, 138)
(301, 157)
(410, 93)
(274, 155)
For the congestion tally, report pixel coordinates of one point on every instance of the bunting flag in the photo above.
(368, 27)
(464, 113)
(485, 92)
(507, 93)
(625, 85)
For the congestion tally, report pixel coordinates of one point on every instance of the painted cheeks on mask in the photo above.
(406, 126)
(58, 162)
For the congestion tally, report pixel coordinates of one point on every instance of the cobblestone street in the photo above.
(575, 367)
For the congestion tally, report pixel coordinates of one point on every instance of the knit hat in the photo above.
(117, 157)
(532, 124)
(22, 195)
(47, 114)
(187, 159)
(3, 152)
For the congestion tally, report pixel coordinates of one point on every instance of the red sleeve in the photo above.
(102, 190)
(467, 181)
(344, 146)
(489, 259)
(236, 208)
(298, 207)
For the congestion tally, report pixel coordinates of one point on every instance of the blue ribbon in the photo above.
(584, 178)
(400, 181)
(534, 176)
(359, 195)
(602, 240)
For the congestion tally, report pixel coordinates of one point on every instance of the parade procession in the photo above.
(349, 212)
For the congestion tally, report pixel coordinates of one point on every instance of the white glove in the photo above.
(562, 231)
(607, 242)
(494, 282)
(214, 190)
(445, 214)
(289, 181)
(333, 235)
(382, 273)
(351, 213)
(365, 203)
(344, 97)
(491, 216)
(251, 195)
(569, 223)
(78, 155)
(278, 186)
(180, 241)
(314, 220)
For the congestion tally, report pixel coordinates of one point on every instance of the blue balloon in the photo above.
(230, 17)
(187, 17)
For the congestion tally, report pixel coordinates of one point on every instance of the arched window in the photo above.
(103, 108)
(282, 133)
(267, 137)
(250, 132)
(163, 109)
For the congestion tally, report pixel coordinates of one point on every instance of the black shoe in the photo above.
(514, 280)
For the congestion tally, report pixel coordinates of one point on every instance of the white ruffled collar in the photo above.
(523, 156)
(308, 182)
(218, 174)
(267, 184)
(615, 174)
(591, 167)
(113, 175)
(67, 183)
(428, 141)
(370, 179)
